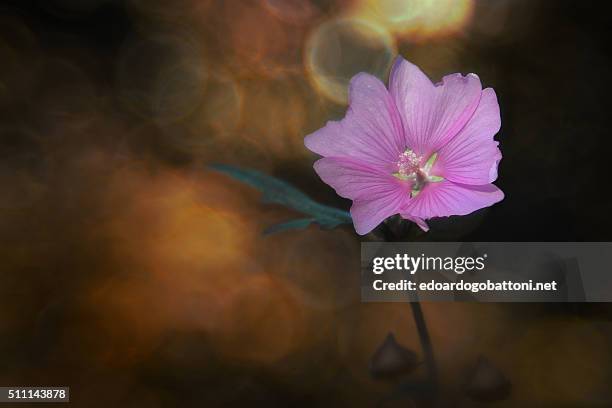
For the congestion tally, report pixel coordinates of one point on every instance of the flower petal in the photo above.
(371, 131)
(447, 198)
(376, 195)
(368, 214)
(472, 156)
(432, 114)
(418, 221)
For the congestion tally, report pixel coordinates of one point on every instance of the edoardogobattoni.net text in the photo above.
(462, 285)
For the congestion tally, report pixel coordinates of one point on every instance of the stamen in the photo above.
(407, 165)
(409, 168)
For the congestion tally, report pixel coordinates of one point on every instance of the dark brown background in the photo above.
(139, 278)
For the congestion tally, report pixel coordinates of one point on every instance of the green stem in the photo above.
(419, 319)
(427, 347)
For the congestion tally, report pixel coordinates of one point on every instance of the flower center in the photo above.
(410, 166)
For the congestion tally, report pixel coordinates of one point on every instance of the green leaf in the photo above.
(289, 225)
(280, 192)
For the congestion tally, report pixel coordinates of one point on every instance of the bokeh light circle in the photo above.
(221, 113)
(339, 49)
(416, 19)
(161, 77)
(324, 281)
(293, 11)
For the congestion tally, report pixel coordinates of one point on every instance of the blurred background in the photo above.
(138, 277)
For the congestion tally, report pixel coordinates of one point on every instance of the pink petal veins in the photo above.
(472, 156)
(370, 132)
(432, 114)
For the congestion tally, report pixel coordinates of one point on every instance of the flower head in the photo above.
(417, 149)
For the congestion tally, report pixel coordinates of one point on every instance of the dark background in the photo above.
(139, 278)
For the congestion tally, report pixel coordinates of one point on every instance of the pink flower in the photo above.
(417, 149)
